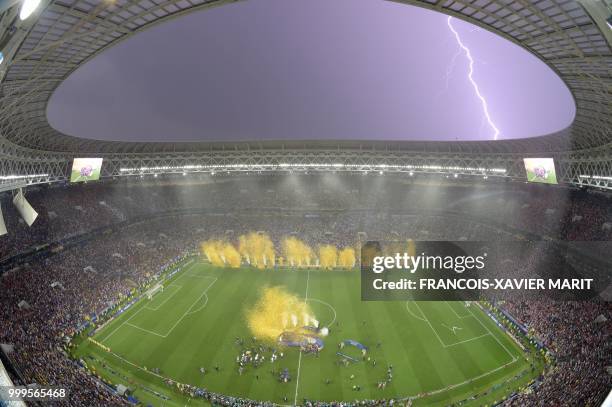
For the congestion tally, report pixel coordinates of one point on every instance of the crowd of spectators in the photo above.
(43, 302)
(65, 211)
(579, 338)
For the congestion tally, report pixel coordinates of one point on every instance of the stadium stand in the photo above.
(164, 220)
(78, 226)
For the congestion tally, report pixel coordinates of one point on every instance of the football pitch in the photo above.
(438, 352)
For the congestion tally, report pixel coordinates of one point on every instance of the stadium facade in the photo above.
(572, 37)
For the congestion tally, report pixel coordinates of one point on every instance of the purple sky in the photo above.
(315, 69)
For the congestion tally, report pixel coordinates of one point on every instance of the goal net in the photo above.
(154, 290)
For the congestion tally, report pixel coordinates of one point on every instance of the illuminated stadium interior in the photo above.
(237, 273)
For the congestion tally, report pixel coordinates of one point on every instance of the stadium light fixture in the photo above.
(599, 177)
(304, 167)
(11, 177)
(27, 8)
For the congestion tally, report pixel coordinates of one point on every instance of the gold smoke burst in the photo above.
(278, 311)
(328, 256)
(296, 252)
(257, 250)
(347, 258)
(221, 254)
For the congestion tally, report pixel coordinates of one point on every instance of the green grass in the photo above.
(75, 175)
(194, 322)
(551, 177)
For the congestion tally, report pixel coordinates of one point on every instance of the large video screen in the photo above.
(540, 170)
(86, 169)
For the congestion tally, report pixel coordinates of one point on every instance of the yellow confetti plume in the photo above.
(328, 256)
(257, 250)
(296, 253)
(221, 254)
(347, 258)
(278, 311)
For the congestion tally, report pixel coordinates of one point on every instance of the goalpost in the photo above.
(154, 290)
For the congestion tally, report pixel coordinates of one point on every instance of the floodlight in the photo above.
(27, 8)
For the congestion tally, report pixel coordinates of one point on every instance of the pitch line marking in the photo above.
(467, 340)
(202, 307)
(188, 312)
(453, 329)
(192, 305)
(413, 314)
(187, 269)
(167, 299)
(456, 313)
(125, 322)
(494, 337)
(440, 339)
(454, 386)
(297, 380)
(145, 330)
(431, 326)
(329, 305)
(433, 392)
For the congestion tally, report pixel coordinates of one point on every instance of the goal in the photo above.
(154, 290)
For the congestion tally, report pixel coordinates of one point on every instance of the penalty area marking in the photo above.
(412, 313)
(144, 330)
(166, 300)
(123, 323)
(192, 305)
(185, 273)
(438, 336)
(202, 307)
(494, 337)
(456, 313)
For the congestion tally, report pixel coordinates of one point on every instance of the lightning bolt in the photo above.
(483, 101)
(451, 68)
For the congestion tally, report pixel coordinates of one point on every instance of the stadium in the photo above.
(235, 271)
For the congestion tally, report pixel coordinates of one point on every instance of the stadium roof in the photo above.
(67, 33)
